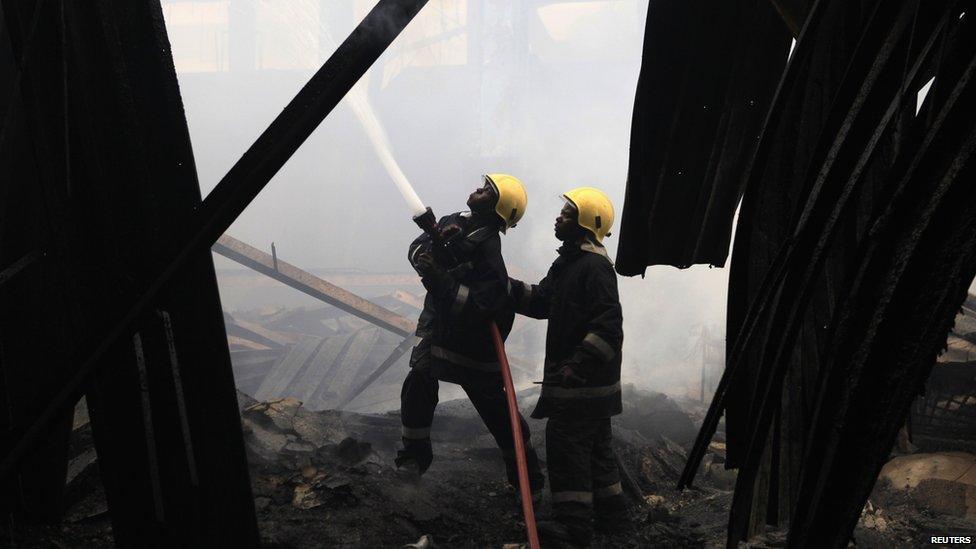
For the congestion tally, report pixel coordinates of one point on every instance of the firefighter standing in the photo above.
(581, 385)
(465, 291)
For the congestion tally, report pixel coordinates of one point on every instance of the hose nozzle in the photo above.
(428, 223)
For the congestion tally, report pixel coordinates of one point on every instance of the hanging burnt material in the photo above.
(709, 70)
(853, 253)
(106, 282)
(97, 163)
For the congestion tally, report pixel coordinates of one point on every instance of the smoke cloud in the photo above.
(471, 87)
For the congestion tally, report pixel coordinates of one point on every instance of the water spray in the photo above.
(381, 144)
(423, 216)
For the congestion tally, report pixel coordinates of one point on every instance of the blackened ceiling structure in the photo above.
(855, 245)
(708, 74)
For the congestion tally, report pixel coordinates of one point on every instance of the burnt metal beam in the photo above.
(344, 279)
(307, 283)
(232, 195)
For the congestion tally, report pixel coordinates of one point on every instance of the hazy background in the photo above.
(542, 90)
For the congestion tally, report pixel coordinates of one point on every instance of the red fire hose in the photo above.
(513, 417)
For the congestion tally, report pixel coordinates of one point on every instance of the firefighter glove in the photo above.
(567, 376)
(433, 275)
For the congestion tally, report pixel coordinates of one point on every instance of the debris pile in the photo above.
(322, 356)
(326, 479)
(317, 356)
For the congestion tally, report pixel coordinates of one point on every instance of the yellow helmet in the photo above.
(511, 198)
(595, 210)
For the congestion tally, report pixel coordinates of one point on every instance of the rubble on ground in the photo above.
(943, 482)
(326, 479)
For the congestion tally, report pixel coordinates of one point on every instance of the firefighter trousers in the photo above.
(418, 399)
(583, 475)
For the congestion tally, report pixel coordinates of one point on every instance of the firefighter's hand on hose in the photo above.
(433, 275)
(450, 231)
(428, 266)
(567, 377)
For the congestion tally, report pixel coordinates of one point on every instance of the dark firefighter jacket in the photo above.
(455, 321)
(579, 297)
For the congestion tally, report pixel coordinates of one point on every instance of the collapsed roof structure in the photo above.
(854, 247)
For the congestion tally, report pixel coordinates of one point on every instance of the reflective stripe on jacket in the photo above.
(579, 298)
(458, 308)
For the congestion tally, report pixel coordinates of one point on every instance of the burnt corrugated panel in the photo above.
(777, 189)
(853, 253)
(288, 369)
(918, 261)
(709, 70)
(320, 369)
(346, 369)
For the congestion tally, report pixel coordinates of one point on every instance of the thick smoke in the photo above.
(470, 87)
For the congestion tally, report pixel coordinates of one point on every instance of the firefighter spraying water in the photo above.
(459, 260)
(466, 316)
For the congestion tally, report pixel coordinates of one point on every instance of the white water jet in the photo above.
(381, 144)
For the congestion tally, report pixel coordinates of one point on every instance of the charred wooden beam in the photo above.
(305, 282)
(340, 278)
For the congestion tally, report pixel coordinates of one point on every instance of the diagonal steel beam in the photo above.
(237, 189)
(306, 282)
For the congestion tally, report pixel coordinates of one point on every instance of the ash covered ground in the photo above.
(326, 479)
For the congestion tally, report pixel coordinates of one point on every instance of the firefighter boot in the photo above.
(611, 515)
(564, 534)
(414, 459)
